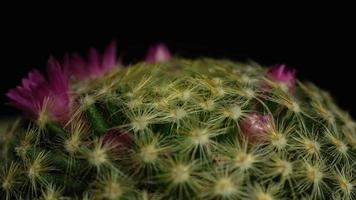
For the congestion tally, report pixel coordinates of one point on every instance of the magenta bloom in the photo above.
(41, 99)
(94, 66)
(158, 53)
(284, 76)
(119, 139)
(256, 126)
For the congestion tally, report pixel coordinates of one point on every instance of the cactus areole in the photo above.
(175, 128)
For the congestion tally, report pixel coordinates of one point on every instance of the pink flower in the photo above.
(41, 99)
(284, 76)
(255, 126)
(94, 66)
(119, 139)
(158, 53)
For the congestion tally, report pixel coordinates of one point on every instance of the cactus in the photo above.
(174, 128)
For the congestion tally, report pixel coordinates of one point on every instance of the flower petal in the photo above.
(110, 60)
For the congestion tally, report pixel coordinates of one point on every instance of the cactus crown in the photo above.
(187, 129)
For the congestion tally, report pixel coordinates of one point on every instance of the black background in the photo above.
(318, 43)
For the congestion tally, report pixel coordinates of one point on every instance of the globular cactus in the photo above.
(173, 128)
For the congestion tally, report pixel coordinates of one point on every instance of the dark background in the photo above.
(319, 45)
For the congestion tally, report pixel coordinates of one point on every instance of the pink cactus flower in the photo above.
(255, 126)
(119, 139)
(42, 99)
(158, 53)
(94, 66)
(284, 76)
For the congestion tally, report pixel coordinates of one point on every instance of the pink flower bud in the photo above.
(256, 126)
(284, 76)
(119, 139)
(158, 53)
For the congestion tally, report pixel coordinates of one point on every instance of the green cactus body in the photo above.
(182, 121)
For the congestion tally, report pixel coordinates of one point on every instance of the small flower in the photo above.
(284, 76)
(255, 126)
(119, 139)
(44, 100)
(158, 53)
(94, 67)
